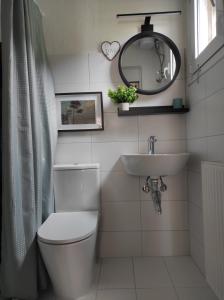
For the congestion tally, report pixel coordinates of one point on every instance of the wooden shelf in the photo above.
(152, 110)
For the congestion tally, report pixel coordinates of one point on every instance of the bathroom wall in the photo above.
(74, 31)
(205, 134)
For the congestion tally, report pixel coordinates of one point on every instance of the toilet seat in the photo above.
(68, 227)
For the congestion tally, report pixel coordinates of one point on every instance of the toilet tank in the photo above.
(76, 187)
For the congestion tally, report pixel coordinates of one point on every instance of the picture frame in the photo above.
(135, 84)
(80, 111)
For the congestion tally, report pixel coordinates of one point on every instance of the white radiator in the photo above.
(213, 217)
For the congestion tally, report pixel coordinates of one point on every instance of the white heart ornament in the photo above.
(110, 49)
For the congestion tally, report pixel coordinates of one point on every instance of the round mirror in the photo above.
(150, 61)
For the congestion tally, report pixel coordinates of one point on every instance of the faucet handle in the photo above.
(151, 144)
(153, 138)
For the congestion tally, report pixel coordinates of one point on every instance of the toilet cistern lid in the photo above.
(68, 227)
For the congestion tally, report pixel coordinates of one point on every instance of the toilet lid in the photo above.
(68, 227)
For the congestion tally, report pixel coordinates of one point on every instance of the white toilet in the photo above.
(67, 239)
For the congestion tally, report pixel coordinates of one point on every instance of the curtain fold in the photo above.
(29, 139)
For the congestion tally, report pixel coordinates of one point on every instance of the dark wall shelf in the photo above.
(152, 110)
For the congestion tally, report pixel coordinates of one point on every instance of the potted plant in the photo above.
(123, 96)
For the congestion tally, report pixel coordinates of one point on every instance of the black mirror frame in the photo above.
(171, 45)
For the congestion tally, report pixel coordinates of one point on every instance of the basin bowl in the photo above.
(154, 164)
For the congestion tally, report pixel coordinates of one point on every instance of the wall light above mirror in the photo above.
(149, 59)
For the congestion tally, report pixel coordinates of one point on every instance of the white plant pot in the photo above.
(124, 106)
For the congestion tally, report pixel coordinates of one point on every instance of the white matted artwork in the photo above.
(79, 111)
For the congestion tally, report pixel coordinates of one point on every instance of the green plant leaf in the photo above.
(123, 94)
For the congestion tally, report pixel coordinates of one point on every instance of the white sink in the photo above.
(154, 164)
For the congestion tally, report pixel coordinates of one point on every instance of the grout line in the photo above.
(174, 287)
(204, 137)
(123, 139)
(91, 147)
(133, 270)
(145, 230)
(137, 201)
(141, 221)
(165, 140)
(195, 204)
(99, 275)
(116, 288)
(193, 80)
(138, 134)
(89, 71)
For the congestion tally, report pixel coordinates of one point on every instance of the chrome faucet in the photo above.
(151, 144)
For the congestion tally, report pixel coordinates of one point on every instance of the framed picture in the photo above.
(80, 111)
(135, 84)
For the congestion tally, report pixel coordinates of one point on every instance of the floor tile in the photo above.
(184, 272)
(201, 293)
(116, 295)
(151, 272)
(120, 244)
(91, 295)
(165, 243)
(47, 296)
(96, 274)
(157, 294)
(116, 273)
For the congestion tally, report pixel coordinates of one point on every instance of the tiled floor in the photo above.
(148, 278)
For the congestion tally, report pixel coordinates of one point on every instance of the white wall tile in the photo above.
(176, 188)
(194, 188)
(197, 121)
(120, 244)
(72, 87)
(215, 148)
(70, 68)
(66, 37)
(165, 243)
(118, 186)
(197, 91)
(103, 70)
(214, 78)
(196, 221)
(74, 137)
(197, 253)
(117, 129)
(174, 216)
(108, 154)
(121, 216)
(215, 113)
(164, 127)
(73, 153)
(198, 152)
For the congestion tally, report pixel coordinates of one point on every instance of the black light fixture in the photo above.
(147, 26)
(170, 12)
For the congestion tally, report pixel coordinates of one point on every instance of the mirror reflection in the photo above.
(148, 63)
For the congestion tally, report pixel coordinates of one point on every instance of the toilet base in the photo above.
(70, 266)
